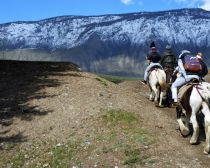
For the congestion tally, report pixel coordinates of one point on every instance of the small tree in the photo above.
(3, 45)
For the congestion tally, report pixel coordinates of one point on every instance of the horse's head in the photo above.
(169, 75)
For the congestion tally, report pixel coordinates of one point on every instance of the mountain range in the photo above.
(111, 44)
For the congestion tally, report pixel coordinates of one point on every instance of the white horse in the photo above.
(195, 100)
(158, 86)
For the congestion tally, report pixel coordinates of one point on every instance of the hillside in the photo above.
(111, 44)
(53, 115)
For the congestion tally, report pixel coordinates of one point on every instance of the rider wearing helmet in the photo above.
(153, 58)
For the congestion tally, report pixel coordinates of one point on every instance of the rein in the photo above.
(198, 90)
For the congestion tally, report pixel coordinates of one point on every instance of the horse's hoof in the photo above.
(206, 152)
(156, 104)
(206, 149)
(193, 142)
(161, 106)
(184, 132)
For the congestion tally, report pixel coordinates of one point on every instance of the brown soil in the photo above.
(50, 101)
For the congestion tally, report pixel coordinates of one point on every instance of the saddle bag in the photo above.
(192, 64)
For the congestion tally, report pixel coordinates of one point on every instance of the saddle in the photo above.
(185, 88)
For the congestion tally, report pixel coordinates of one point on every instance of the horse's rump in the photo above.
(183, 90)
(157, 84)
(184, 96)
(161, 76)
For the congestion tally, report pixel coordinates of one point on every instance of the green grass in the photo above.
(117, 79)
(134, 156)
(129, 137)
(18, 160)
(103, 82)
(8, 146)
(63, 154)
(120, 117)
(44, 154)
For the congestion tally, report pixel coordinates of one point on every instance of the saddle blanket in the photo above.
(183, 90)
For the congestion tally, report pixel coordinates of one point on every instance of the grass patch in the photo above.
(42, 154)
(103, 82)
(135, 156)
(120, 117)
(8, 145)
(18, 160)
(129, 139)
(63, 154)
(117, 79)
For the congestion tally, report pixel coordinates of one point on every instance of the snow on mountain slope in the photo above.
(176, 26)
(91, 40)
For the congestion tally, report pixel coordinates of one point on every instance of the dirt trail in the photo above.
(57, 111)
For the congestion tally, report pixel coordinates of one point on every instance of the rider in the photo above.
(168, 60)
(185, 76)
(153, 58)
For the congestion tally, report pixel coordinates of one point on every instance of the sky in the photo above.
(32, 10)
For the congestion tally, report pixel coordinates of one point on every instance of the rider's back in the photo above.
(154, 57)
(194, 65)
(168, 60)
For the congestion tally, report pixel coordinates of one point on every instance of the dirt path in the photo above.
(173, 150)
(56, 111)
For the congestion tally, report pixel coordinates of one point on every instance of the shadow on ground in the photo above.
(19, 83)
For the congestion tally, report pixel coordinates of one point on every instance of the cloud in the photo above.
(127, 2)
(190, 3)
(205, 4)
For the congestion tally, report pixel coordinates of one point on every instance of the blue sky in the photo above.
(26, 10)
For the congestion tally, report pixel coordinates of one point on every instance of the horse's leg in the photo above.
(195, 103)
(161, 99)
(206, 112)
(183, 121)
(194, 138)
(156, 93)
(151, 96)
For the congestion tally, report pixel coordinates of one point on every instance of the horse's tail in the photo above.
(161, 76)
